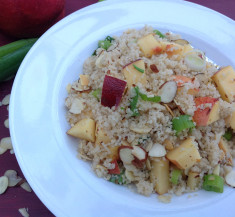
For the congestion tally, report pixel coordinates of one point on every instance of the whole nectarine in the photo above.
(26, 19)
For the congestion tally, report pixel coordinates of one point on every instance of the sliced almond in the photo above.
(6, 100)
(125, 154)
(230, 178)
(6, 143)
(3, 184)
(148, 164)
(13, 179)
(140, 129)
(2, 150)
(139, 153)
(77, 106)
(168, 91)
(129, 175)
(157, 150)
(68, 88)
(6, 123)
(26, 186)
(23, 212)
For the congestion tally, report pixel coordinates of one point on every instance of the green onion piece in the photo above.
(228, 135)
(213, 183)
(104, 44)
(157, 32)
(150, 99)
(109, 38)
(122, 108)
(139, 69)
(175, 175)
(96, 93)
(134, 101)
(118, 179)
(181, 123)
(101, 0)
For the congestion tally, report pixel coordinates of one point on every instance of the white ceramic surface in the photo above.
(47, 156)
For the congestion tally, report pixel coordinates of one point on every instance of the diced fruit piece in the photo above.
(185, 155)
(225, 83)
(116, 169)
(84, 129)
(193, 180)
(230, 178)
(160, 176)
(114, 153)
(134, 76)
(138, 163)
(168, 91)
(113, 89)
(224, 147)
(101, 136)
(193, 91)
(157, 150)
(84, 80)
(213, 183)
(207, 110)
(194, 61)
(216, 170)
(173, 49)
(181, 80)
(230, 120)
(125, 154)
(139, 153)
(149, 45)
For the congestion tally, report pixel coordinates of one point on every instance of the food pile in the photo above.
(152, 111)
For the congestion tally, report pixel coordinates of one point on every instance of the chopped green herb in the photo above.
(157, 32)
(228, 135)
(181, 123)
(105, 44)
(118, 179)
(101, 0)
(96, 93)
(122, 108)
(139, 69)
(175, 175)
(213, 183)
(150, 99)
(134, 101)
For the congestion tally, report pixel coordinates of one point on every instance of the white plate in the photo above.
(47, 156)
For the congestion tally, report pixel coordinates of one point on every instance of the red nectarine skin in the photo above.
(113, 89)
(22, 19)
(157, 50)
(201, 116)
(116, 169)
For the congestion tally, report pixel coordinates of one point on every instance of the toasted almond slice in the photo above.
(23, 212)
(68, 88)
(148, 164)
(195, 62)
(230, 178)
(6, 123)
(168, 91)
(6, 143)
(13, 179)
(125, 154)
(77, 106)
(26, 186)
(139, 153)
(181, 41)
(168, 144)
(2, 150)
(6, 99)
(129, 175)
(3, 184)
(157, 150)
(141, 130)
